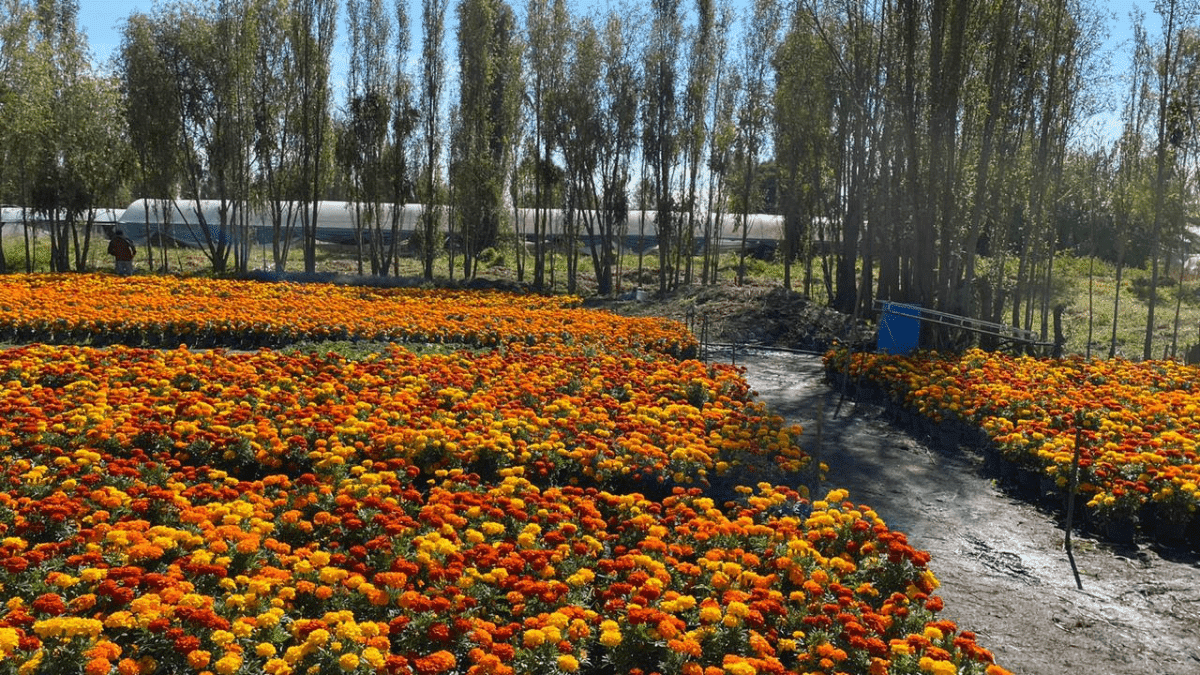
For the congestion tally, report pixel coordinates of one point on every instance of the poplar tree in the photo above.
(489, 57)
(660, 126)
(433, 22)
(154, 127)
(545, 59)
(364, 130)
(313, 28)
(759, 40)
(707, 50)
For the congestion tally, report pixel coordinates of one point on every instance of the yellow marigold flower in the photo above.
(610, 638)
(534, 638)
(61, 580)
(265, 650)
(8, 640)
(32, 665)
(900, 648)
(293, 654)
(937, 666)
(221, 637)
(228, 664)
(739, 667)
(269, 619)
(68, 627)
(710, 614)
(318, 637)
(277, 667)
(349, 630)
(332, 575)
(373, 657)
(348, 661)
(568, 663)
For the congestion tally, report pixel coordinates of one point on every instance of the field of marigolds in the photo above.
(498, 484)
(1135, 425)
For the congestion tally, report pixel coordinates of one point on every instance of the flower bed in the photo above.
(163, 311)
(1138, 422)
(564, 419)
(469, 512)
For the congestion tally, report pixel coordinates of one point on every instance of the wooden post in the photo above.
(1072, 486)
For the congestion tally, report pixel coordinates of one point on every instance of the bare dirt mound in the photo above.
(769, 316)
(1001, 561)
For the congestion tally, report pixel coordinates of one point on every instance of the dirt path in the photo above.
(1001, 562)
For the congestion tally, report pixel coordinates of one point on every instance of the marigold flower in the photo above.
(373, 657)
(199, 658)
(9, 639)
(610, 638)
(710, 614)
(736, 666)
(228, 664)
(534, 638)
(937, 666)
(568, 663)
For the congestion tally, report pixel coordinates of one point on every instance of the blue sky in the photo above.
(102, 19)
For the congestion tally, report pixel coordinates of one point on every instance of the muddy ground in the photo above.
(1001, 561)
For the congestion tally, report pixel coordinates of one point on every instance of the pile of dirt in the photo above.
(756, 315)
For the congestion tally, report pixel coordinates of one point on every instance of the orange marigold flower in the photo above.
(437, 662)
(199, 658)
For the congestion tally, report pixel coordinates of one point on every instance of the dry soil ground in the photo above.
(1001, 561)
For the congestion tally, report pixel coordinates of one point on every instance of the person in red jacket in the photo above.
(122, 250)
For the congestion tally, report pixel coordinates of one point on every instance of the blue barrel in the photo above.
(899, 328)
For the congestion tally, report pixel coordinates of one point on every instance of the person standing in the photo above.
(122, 250)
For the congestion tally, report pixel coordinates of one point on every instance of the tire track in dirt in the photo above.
(1000, 560)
